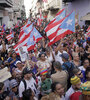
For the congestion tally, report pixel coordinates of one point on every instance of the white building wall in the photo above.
(80, 6)
(17, 7)
(5, 20)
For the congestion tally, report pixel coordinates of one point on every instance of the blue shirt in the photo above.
(69, 64)
(13, 64)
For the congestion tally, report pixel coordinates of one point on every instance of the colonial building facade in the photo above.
(11, 11)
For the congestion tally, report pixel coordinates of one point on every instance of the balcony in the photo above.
(6, 3)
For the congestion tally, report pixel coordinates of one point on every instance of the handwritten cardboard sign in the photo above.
(4, 74)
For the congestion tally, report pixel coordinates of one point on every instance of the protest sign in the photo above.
(4, 74)
(23, 53)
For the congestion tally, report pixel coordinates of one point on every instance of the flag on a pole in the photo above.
(67, 27)
(60, 15)
(88, 29)
(88, 32)
(10, 36)
(25, 32)
(35, 36)
(25, 26)
(53, 26)
(24, 40)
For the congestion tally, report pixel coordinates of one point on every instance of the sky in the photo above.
(28, 5)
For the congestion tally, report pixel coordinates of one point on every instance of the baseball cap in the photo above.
(17, 62)
(13, 83)
(65, 56)
(26, 70)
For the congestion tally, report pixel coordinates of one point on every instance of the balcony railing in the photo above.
(6, 3)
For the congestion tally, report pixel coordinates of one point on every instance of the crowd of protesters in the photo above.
(58, 72)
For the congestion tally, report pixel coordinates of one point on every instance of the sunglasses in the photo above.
(80, 73)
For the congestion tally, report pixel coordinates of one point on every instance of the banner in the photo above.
(4, 74)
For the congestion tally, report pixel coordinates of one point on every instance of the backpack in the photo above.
(70, 73)
(25, 86)
(46, 86)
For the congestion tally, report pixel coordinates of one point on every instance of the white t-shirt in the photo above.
(43, 64)
(64, 51)
(57, 57)
(30, 84)
(82, 68)
(50, 58)
(62, 98)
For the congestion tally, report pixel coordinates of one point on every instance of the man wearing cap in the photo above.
(76, 83)
(17, 72)
(14, 88)
(85, 91)
(68, 66)
(27, 82)
(65, 58)
(19, 66)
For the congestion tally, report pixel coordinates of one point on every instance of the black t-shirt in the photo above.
(41, 49)
(86, 56)
(4, 55)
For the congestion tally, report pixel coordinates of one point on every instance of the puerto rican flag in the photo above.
(88, 29)
(88, 32)
(67, 27)
(24, 40)
(35, 36)
(54, 24)
(60, 15)
(1, 33)
(25, 26)
(10, 36)
(26, 31)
